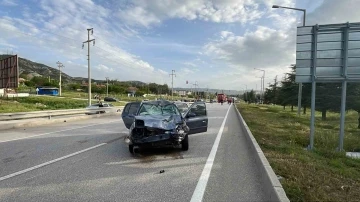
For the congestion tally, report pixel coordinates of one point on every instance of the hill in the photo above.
(29, 69)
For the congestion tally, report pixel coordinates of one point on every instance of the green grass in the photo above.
(66, 101)
(25, 104)
(320, 175)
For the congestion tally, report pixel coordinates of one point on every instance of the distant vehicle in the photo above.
(160, 123)
(221, 98)
(103, 108)
(110, 99)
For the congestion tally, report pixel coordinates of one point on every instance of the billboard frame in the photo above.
(9, 72)
(339, 46)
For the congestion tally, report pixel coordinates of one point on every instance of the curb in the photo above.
(6, 125)
(273, 188)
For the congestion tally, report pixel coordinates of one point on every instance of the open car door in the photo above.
(196, 118)
(129, 113)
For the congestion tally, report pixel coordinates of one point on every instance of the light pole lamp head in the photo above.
(275, 6)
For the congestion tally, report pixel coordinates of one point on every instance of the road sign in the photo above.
(9, 72)
(328, 53)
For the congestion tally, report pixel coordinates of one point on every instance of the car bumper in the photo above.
(158, 140)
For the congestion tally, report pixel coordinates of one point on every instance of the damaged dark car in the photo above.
(160, 123)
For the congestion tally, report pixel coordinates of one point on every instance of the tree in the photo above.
(249, 97)
(288, 91)
(73, 86)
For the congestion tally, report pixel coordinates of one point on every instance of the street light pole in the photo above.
(300, 84)
(245, 91)
(262, 84)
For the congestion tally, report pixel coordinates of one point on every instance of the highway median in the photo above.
(320, 175)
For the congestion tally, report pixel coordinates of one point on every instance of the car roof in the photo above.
(158, 102)
(182, 103)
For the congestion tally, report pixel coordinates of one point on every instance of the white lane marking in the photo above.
(49, 162)
(203, 180)
(57, 131)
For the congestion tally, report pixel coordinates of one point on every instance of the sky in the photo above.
(214, 43)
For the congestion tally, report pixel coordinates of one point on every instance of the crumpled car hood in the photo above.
(160, 121)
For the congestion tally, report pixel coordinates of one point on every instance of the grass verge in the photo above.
(37, 103)
(320, 175)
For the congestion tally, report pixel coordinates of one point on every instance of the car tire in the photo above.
(185, 143)
(131, 148)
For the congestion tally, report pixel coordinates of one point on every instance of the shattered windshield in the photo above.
(154, 109)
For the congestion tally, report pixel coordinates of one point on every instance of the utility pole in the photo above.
(89, 72)
(107, 86)
(60, 65)
(195, 89)
(172, 83)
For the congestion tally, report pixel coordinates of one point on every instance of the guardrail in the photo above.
(53, 113)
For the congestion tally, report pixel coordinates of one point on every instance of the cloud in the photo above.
(146, 13)
(263, 48)
(104, 68)
(186, 71)
(8, 3)
(60, 27)
(334, 11)
(190, 64)
(162, 72)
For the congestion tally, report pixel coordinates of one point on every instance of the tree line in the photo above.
(114, 87)
(328, 95)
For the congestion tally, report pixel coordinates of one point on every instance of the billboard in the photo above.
(9, 72)
(328, 53)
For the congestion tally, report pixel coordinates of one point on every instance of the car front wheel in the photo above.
(185, 143)
(131, 148)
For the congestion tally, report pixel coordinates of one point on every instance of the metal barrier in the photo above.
(52, 113)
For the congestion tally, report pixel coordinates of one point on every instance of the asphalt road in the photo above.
(89, 161)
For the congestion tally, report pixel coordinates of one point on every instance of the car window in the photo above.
(182, 107)
(133, 108)
(126, 109)
(199, 109)
(170, 110)
(154, 109)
